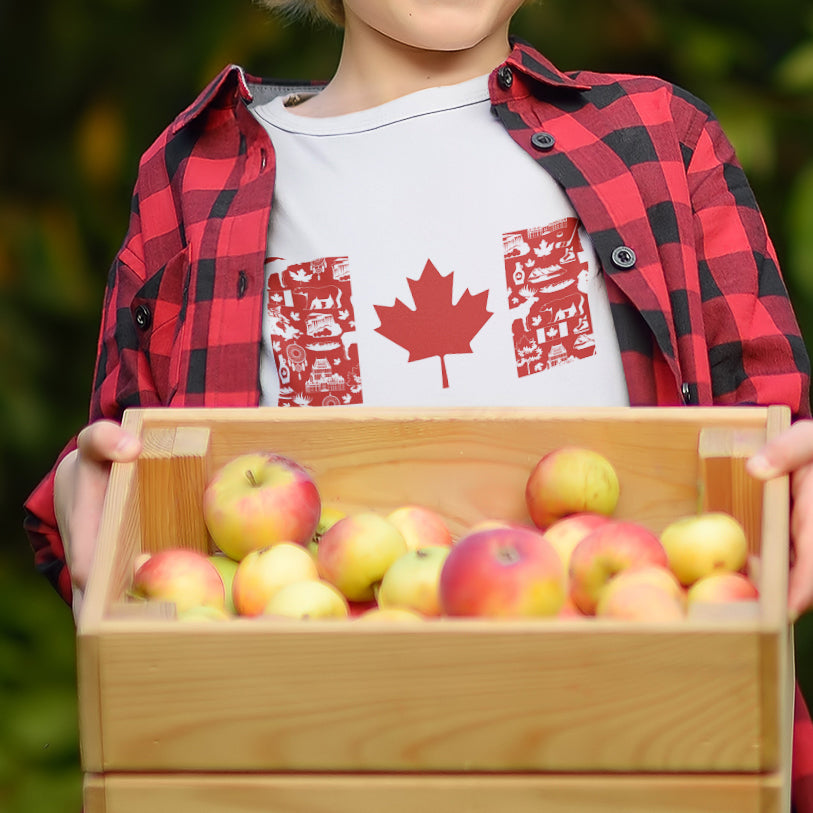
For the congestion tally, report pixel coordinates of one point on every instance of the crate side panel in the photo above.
(443, 698)
(471, 470)
(208, 793)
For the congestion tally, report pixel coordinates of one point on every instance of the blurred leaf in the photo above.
(795, 72)
(800, 214)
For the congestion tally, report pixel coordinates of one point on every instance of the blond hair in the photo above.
(331, 10)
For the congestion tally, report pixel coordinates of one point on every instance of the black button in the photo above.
(505, 76)
(143, 317)
(686, 392)
(543, 141)
(623, 257)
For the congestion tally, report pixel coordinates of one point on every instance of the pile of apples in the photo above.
(281, 553)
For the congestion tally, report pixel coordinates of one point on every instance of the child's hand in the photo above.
(79, 489)
(792, 453)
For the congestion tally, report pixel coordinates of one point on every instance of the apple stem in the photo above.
(251, 478)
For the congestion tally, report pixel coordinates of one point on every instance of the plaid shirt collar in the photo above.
(233, 83)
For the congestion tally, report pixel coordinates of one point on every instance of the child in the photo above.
(451, 220)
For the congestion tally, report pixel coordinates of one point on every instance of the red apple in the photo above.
(355, 552)
(640, 601)
(412, 581)
(627, 584)
(258, 500)
(420, 526)
(502, 572)
(609, 549)
(185, 577)
(564, 534)
(723, 587)
(261, 573)
(571, 480)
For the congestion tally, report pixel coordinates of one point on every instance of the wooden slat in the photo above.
(189, 472)
(724, 483)
(260, 695)
(203, 793)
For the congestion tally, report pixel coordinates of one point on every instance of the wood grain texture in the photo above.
(470, 793)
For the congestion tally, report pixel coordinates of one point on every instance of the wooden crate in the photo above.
(454, 714)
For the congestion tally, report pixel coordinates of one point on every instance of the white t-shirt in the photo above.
(418, 257)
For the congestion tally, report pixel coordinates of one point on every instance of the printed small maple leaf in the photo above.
(437, 326)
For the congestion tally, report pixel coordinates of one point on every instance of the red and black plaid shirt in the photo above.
(699, 304)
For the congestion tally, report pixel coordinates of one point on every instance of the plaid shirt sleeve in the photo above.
(118, 363)
(755, 350)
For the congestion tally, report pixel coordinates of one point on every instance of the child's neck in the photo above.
(374, 70)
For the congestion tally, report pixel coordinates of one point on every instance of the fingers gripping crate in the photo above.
(457, 714)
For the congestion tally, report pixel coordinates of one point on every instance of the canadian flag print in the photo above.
(312, 332)
(546, 272)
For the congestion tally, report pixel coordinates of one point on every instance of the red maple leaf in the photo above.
(437, 326)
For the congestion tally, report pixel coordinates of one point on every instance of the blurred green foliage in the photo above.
(90, 83)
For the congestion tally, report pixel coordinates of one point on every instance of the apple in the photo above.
(570, 610)
(329, 515)
(227, 567)
(261, 573)
(355, 553)
(502, 572)
(640, 601)
(565, 533)
(651, 575)
(412, 581)
(182, 576)
(609, 549)
(384, 614)
(308, 599)
(204, 613)
(723, 586)
(571, 480)
(260, 499)
(700, 544)
(420, 526)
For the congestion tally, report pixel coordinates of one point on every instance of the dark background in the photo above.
(88, 84)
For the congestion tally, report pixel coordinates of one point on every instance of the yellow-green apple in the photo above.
(502, 572)
(420, 526)
(260, 499)
(609, 549)
(384, 614)
(640, 601)
(412, 581)
(571, 480)
(355, 553)
(227, 567)
(723, 586)
(261, 573)
(308, 599)
(185, 577)
(565, 533)
(700, 544)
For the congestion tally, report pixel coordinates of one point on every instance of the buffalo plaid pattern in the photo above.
(700, 308)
